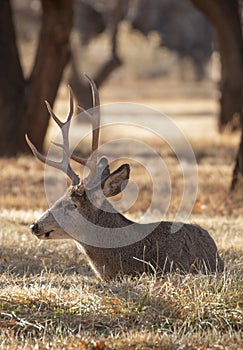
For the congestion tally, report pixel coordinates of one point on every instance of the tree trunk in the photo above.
(22, 101)
(51, 58)
(12, 94)
(225, 18)
(237, 178)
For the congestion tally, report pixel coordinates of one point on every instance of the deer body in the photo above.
(85, 215)
(190, 249)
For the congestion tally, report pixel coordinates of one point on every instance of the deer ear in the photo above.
(117, 181)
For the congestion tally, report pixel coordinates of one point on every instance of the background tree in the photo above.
(21, 103)
(237, 177)
(225, 16)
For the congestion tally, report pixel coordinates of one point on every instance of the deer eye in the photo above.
(75, 204)
(71, 206)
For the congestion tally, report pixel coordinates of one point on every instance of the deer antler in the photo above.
(91, 162)
(64, 165)
(94, 117)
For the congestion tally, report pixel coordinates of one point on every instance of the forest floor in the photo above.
(49, 297)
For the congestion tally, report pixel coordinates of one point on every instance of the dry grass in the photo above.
(50, 299)
(56, 303)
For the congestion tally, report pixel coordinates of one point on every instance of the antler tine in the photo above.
(64, 165)
(34, 150)
(64, 126)
(70, 113)
(95, 93)
(79, 159)
(53, 115)
(91, 163)
(66, 168)
(95, 115)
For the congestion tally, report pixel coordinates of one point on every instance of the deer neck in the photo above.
(106, 216)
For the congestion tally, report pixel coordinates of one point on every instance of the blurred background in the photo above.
(182, 57)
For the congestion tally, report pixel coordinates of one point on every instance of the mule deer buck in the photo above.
(84, 212)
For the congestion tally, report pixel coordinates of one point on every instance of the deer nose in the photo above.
(34, 228)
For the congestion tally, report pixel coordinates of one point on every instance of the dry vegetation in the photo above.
(50, 299)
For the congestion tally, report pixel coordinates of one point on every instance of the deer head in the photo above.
(85, 196)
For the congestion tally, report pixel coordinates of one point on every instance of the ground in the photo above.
(49, 297)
